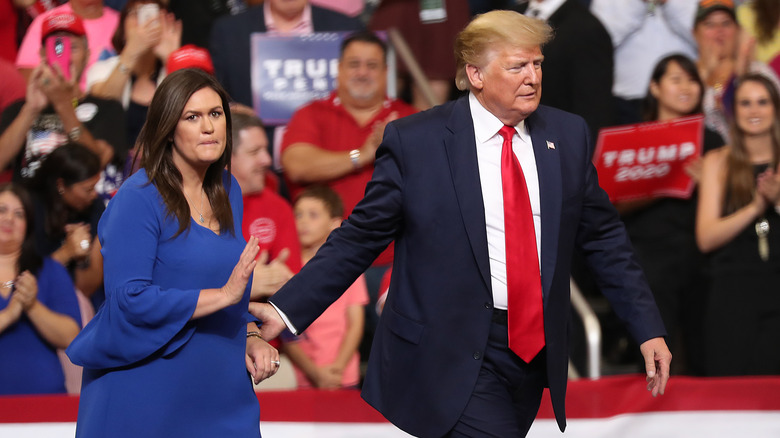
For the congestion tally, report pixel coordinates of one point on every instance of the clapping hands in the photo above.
(26, 290)
(269, 277)
(768, 186)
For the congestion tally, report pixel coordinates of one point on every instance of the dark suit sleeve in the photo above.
(603, 241)
(351, 248)
(219, 49)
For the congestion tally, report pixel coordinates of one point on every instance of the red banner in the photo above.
(648, 160)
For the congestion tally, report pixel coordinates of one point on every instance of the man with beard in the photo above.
(333, 141)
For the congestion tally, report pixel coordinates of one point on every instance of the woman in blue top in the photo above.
(39, 312)
(172, 350)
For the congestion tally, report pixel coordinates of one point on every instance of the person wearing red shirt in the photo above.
(333, 141)
(267, 215)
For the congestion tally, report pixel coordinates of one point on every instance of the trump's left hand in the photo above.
(657, 361)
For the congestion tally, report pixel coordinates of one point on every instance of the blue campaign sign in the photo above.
(290, 71)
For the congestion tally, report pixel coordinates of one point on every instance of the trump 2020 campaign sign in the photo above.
(648, 160)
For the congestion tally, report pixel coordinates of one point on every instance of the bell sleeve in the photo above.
(139, 319)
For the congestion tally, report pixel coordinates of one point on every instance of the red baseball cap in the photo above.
(190, 56)
(62, 22)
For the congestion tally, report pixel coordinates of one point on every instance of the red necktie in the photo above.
(524, 284)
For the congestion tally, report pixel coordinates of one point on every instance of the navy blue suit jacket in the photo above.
(426, 194)
(230, 45)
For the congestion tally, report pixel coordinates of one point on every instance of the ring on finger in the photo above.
(276, 362)
(84, 244)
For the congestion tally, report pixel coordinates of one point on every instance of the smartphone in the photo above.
(58, 52)
(148, 12)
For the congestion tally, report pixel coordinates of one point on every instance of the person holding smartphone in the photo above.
(146, 36)
(100, 23)
(55, 111)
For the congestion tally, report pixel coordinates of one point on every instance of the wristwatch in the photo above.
(74, 134)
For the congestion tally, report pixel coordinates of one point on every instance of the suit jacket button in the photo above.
(477, 355)
(487, 305)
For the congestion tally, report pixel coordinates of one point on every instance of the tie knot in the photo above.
(507, 132)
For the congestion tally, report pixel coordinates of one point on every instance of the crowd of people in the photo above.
(134, 173)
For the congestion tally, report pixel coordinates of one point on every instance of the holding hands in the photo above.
(273, 324)
(262, 360)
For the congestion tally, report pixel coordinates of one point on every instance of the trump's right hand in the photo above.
(273, 324)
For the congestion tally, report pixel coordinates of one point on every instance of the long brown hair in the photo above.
(767, 15)
(70, 163)
(740, 179)
(29, 259)
(156, 144)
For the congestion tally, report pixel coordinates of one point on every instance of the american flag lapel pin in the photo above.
(550, 145)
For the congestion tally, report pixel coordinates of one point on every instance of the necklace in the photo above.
(201, 219)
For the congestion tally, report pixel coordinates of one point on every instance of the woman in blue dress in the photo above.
(39, 312)
(172, 350)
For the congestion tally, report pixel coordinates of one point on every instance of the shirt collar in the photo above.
(546, 8)
(486, 125)
(303, 27)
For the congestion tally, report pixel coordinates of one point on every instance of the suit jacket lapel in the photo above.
(548, 164)
(462, 155)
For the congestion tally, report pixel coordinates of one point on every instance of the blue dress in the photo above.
(28, 364)
(150, 371)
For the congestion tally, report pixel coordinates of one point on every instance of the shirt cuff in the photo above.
(286, 320)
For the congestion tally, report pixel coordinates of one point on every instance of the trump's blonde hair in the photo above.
(489, 31)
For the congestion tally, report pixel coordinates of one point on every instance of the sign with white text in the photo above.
(290, 71)
(648, 160)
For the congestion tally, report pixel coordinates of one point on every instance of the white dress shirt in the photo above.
(643, 33)
(489, 143)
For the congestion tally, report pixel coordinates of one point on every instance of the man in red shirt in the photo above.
(333, 141)
(267, 215)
